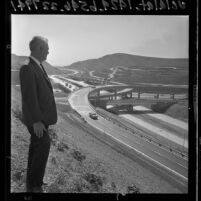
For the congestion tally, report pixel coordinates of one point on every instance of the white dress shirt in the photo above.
(37, 62)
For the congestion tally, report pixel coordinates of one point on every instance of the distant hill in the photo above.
(18, 61)
(128, 60)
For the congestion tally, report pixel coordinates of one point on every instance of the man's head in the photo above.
(39, 48)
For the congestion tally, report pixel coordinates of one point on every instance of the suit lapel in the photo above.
(39, 71)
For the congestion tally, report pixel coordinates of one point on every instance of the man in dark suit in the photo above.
(39, 111)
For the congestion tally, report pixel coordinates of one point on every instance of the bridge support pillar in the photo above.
(115, 94)
(138, 95)
(157, 96)
(98, 93)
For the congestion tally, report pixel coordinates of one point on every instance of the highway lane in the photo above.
(174, 164)
(147, 149)
(165, 118)
(157, 129)
(181, 132)
(155, 138)
(132, 139)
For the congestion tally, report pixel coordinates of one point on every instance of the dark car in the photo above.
(93, 115)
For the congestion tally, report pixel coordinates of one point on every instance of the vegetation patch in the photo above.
(61, 146)
(95, 181)
(161, 107)
(18, 175)
(179, 110)
(78, 185)
(54, 160)
(78, 156)
(54, 188)
(53, 136)
(17, 112)
(133, 189)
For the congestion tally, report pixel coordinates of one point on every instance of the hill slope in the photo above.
(128, 60)
(18, 61)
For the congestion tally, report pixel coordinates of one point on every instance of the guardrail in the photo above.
(120, 124)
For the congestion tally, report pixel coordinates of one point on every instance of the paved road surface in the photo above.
(171, 165)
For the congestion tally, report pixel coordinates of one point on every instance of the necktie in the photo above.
(43, 70)
(46, 76)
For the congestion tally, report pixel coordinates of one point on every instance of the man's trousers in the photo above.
(37, 158)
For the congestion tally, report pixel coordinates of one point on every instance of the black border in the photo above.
(191, 11)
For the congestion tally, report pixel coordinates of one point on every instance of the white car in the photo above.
(93, 115)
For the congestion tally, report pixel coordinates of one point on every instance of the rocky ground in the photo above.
(78, 162)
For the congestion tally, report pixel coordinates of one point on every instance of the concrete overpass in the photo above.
(139, 93)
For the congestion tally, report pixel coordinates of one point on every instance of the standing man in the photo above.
(39, 111)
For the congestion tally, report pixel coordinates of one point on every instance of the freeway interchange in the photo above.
(171, 166)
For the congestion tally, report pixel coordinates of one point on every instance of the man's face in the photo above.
(44, 51)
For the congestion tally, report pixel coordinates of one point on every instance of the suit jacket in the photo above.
(38, 102)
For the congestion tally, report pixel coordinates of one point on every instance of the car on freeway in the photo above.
(93, 115)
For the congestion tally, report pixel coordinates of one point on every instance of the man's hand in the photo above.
(38, 129)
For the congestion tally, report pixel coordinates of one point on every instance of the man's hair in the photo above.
(37, 41)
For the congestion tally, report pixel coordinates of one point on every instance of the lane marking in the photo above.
(159, 153)
(185, 178)
(181, 165)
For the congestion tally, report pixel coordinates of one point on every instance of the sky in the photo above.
(73, 38)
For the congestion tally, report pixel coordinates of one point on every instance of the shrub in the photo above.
(54, 160)
(78, 156)
(62, 146)
(17, 176)
(133, 189)
(95, 181)
(53, 136)
(78, 185)
(61, 180)
(17, 112)
(113, 185)
(81, 186)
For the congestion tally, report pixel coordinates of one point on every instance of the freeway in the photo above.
(169, 165)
